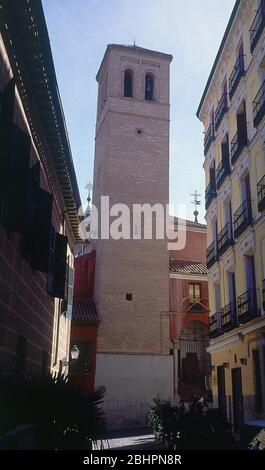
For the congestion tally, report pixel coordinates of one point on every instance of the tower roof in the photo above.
(133, 49)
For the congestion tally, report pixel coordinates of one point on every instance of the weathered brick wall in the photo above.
(132, 168)
(25, 307)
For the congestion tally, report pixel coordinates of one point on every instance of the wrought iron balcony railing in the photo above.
(208, 138)
(257, 27)
(247, 306)
(238, 142)
(261, 194)
(211, 254)
(225, 238)
(263, 294)
(259, 105)
(222, 170)
(235, 77)
(242, 218)
(214, 325)
(221, 110)
(228, 317)
(210, 194)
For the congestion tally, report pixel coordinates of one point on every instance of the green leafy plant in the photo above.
(196, 428)
(62, 413)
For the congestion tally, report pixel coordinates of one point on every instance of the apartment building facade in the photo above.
(39, 198)
(232, 110)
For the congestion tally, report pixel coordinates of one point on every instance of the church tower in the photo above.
(132, 275)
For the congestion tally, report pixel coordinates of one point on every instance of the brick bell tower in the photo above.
(132, 282)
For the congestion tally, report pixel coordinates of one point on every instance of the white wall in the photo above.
(132, 381)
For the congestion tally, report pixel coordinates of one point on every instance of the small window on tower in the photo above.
(149, 87)
(129, 296)
(128, 83)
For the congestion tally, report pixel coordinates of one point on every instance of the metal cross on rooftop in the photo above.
(89, 187)
(196, 203)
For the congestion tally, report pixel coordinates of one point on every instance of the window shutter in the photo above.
(70, 292)
(8, 103)
(6, 118)
(225, 154)
(1, 97)
(51, 261)
(18, 181)
(59, 270)
(41, 231)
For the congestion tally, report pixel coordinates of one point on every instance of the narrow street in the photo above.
(132, 439)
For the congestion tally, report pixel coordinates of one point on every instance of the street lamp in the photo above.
(74, 353)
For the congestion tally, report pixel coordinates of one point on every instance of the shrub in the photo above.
(61, 412)
(197, 428)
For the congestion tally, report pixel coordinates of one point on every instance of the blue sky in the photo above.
(190, 30)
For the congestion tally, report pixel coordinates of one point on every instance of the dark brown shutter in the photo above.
(225, 154)
(1, 97)
(41, 231)
(8, 102)
(59, 270)
(35, 178)
(34, 184)
(51, 261)
(18, 180)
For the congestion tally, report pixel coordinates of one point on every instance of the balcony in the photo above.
(211, 255)
(242, 218)
(221, 110)
(261, 194)
(263, 294)
(259, 105)
(247, 306)
(208, 138)
(222, 171)
(210, 194)
(228, 317)
(238, 142)
(214, 326)
(225, 239)
(235, 77)
(257, 27)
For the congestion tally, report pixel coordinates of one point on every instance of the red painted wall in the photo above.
(85, 332)
(195, 249)
(84, 276)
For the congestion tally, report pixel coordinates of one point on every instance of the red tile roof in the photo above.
(177, 265)
(85, 310)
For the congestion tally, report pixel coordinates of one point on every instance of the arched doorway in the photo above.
(194, 360)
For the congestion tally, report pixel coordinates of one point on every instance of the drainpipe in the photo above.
(175, 343)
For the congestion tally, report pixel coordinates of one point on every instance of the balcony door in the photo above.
(241, 120)
(238, 402)
(212, 175)
(257, 380)
(231, 287)
(217, 292)
(250, 273)
(221, 389)
(225, 152)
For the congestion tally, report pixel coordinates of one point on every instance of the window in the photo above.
(149, 87)
(128, 83)
(128, 296)
(194, 292)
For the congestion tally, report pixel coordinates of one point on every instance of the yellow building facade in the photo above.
(232, 110)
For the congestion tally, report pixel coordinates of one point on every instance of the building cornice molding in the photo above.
(237, 335)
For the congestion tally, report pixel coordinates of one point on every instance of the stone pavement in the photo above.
(132, 439)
